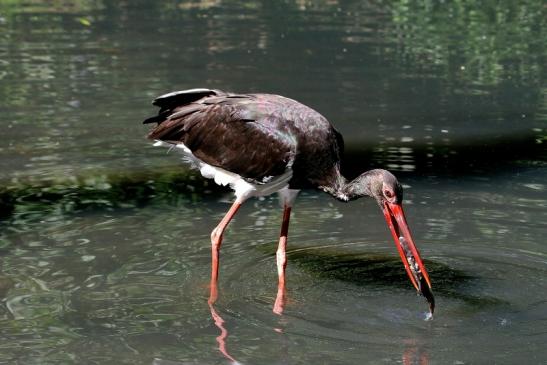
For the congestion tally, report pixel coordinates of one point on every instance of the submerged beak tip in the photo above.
(410, 256)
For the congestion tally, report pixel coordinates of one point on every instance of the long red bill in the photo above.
(415, 269)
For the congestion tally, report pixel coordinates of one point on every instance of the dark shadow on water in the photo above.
(376, 270)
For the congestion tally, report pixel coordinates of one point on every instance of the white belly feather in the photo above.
(242, 188)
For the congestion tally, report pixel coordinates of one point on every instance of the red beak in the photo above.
(410, 256)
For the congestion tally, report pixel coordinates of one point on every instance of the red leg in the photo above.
(216, 241)
(282, 261)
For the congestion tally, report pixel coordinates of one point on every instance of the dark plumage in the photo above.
(253, 135)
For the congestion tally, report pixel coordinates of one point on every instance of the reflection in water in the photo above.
(221, 339)
(415, 354)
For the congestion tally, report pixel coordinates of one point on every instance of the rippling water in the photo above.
(104, 240)
(130, 286)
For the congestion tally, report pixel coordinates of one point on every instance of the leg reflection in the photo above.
(221, 339)
(415, 354)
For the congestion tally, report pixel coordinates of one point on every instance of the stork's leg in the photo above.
(281, 256)
(216, 241)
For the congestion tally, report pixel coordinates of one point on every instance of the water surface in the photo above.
(104, 239)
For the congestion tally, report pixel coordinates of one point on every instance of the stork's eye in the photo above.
(388, 194)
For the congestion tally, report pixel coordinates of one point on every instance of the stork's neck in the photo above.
(343, 189)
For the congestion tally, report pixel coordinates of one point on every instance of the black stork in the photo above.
(260, 144)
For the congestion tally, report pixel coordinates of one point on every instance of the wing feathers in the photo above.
(219, 130)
